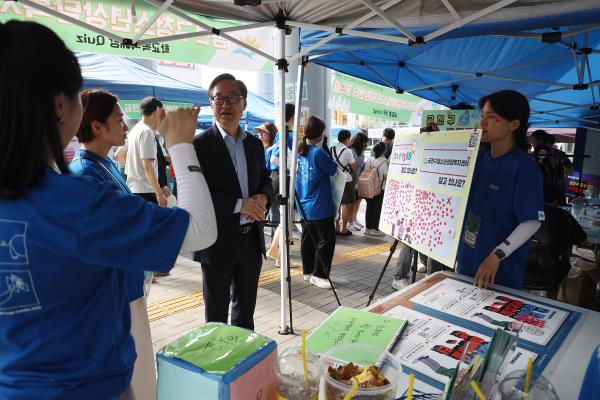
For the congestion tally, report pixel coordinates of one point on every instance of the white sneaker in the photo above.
(358, 224)
(352, 227)
(320, 282)
(400, 284)
(307, 277)
(377, 232)
(422, 268)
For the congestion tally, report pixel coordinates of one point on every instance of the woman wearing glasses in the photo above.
(65, 330)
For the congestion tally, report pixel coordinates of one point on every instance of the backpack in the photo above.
(337, 158)
(369, 184)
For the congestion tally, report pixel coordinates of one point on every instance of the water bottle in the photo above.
(588, 192)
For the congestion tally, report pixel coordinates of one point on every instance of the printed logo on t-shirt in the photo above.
(17, 292)
(541, 216)
(494, 187)
(13, 249)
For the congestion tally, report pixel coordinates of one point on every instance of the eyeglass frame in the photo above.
(226, 98)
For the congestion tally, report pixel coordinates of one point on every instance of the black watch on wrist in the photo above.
(500, 254)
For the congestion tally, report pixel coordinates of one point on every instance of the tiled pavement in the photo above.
(175, 304)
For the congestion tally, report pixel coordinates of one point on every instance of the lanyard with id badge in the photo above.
(473, 223)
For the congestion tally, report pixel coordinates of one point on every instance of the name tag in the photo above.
(472, 229)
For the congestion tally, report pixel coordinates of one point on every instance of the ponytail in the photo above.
(303, 147)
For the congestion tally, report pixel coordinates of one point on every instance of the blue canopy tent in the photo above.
(258, 110)
(132, 81)
(551, 66)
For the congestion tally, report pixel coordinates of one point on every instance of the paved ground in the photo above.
(175, 304)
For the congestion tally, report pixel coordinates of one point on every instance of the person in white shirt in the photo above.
(141, 166)
(345, 160)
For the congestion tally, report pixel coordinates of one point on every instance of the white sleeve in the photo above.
(194, 197)
(520, 235)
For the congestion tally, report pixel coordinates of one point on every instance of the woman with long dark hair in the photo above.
(317, 209)
(358, 145)
(65, 325)
(506, 200)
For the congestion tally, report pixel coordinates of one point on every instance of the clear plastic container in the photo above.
(361, 355)
(512, 387)
(290, 372)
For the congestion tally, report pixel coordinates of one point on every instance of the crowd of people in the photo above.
(83, 235)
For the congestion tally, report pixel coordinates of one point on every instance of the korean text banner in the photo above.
(115, 16)
(357, 96)
(427, 190)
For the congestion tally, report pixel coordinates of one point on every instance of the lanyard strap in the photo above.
(111, 176)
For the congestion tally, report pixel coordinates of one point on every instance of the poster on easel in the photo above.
(426, 191)
(433, 347)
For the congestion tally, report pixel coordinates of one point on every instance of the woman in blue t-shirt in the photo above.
(67, 241)
(318, 211)
(506, 199)
(102, 127)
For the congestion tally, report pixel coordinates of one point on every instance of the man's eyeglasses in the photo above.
(232, 99)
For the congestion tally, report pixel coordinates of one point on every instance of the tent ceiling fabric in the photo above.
(472, 59)
(409, 13)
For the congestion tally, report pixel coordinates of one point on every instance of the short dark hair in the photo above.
(540, 135)
(28, 87)
(462, 106)
(290, 110)
(379, 149)
(343, 135)
(228, 77)
(389, 133)
(149, 104)
(98, 105)
(511, 105)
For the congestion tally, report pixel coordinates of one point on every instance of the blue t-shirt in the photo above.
(505, 191)
(313, 184)
(86, 163)
(64, 314)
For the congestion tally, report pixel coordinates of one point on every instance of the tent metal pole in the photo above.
(571, 108)
(175, 37)
(564, 103)
(589, 70)
(176, 11)
(473, 17)
(466, 78)
(579, 77)
(296, 135)
(152, 20)
(202, 33)
(545, 92)
(389, 19)
(351, 32)
(451, 8)
(372, 71)
(351, 25)
(283, 221)
(565, 117)
(417, 77)
(533, 81)
(520, 66)
(74, 21)
(525, 35)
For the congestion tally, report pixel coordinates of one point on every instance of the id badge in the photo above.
(472, 229)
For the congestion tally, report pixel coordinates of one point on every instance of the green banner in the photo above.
(131, 108)
(357, 96)
(115, 16)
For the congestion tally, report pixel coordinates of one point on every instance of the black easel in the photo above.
(414, 256)
(308, 226)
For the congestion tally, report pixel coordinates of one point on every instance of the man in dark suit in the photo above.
(233, 163)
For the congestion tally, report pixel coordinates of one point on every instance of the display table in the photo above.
(562, 355)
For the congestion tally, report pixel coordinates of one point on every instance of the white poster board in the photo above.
(427, 190)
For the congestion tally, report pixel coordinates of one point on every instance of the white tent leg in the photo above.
(283, 221)
(296, 130)
(152, 20)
